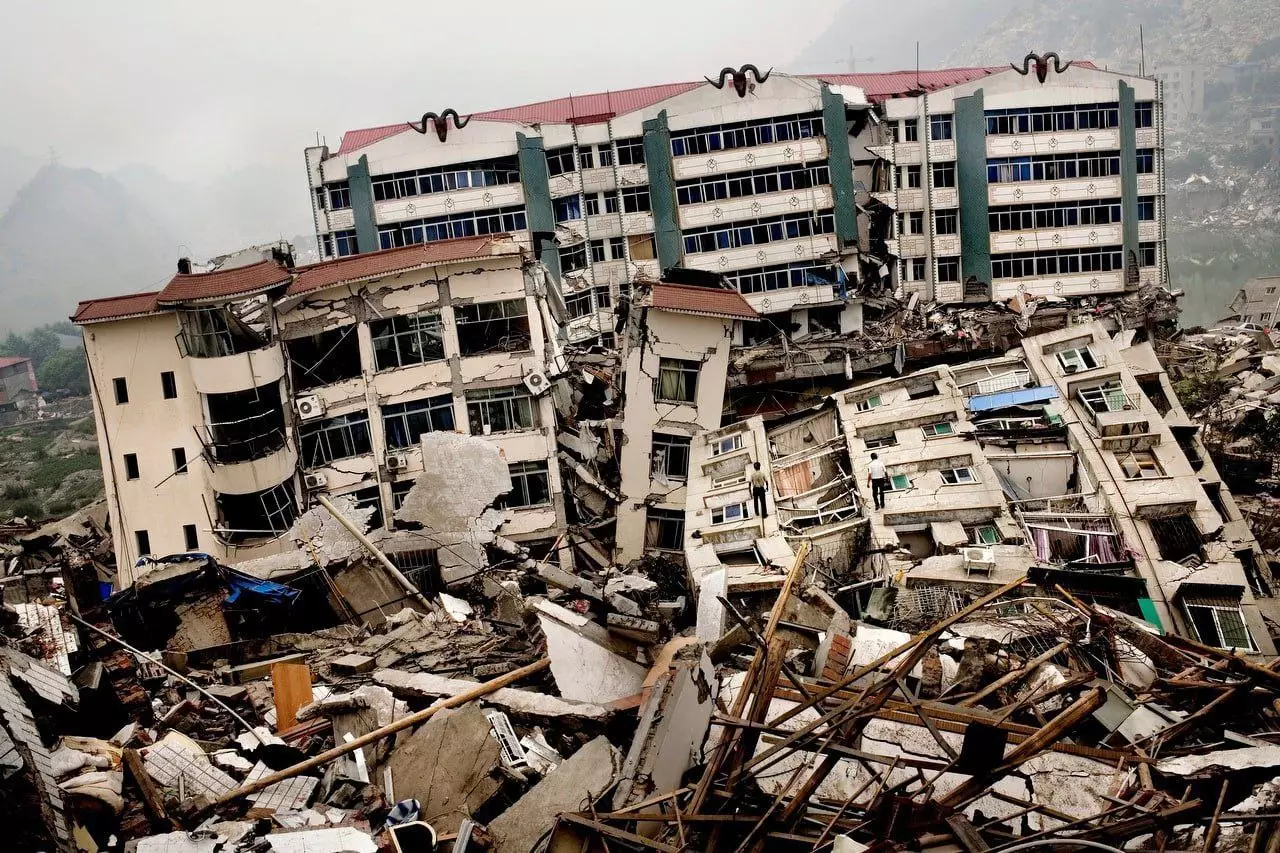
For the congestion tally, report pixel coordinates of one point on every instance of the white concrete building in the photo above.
(225, 399)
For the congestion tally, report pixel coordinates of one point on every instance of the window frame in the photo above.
(316, 445)
(1080, 357)
(522, 475)
(168, 385)
(1143, 461)
(181, 465)
(1215, 610)
(516, 407)
(682, 368)
(654, 521)
(665, 449)
(435, 410)
(742, 512)
(962, 476)
(932, 431)
(398, 334)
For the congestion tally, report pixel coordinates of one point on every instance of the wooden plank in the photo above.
(291, 687)
(151, 797)
(258, 669)
(967, 834)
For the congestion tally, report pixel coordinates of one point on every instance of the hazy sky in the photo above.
(189, 87)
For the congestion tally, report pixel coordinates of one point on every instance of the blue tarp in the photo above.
(1016, 397)
(242, 584)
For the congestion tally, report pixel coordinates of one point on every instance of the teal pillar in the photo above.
(1128, 179)
(840, 163)
(662, 191)
(361, 190)
(971, 177)
(539, 213)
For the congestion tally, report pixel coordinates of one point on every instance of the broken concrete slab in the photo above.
(462, 477)
(449, 765)
(586, 661)
(525, 703)
(583, 778)
(352, 664)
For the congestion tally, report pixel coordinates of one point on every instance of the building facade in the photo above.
(229, 397)
(1257, 302)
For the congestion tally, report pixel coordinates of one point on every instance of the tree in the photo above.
(66, 368)
(37, 345)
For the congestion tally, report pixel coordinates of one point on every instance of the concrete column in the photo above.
(971, 178)
(361, 188)
(841, 167)
(662, 191)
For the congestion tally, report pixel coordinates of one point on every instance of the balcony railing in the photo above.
(243, 440)
(1108, 399)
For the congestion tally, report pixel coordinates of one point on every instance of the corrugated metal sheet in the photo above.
(1019, 397)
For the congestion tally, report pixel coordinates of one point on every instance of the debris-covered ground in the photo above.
(210, 709)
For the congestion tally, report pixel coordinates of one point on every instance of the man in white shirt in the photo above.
(759, 486)
(878, 479)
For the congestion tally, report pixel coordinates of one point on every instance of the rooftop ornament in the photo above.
(740, 84)
(441, 122)
(1042, 65)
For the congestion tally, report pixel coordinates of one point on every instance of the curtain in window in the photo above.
(793, 480)
(672, 385)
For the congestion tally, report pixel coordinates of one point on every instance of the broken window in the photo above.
(191, 537)
(1058, 539)
(131, 466)
(407, 339)
(868, 404)
(257, 514)
(669, 456)
(530, 485)
(630, 152)
(578, 304)
(677, 380)
(944, 174)
(1177, 537)
(949, 269)
(421, 566)
(1218, 621)
(641, 247)
(635, 199)
(909, 177)
(179, 460)
(958, 476)
(940, 126)
(324, 358)
(245, 425)
(1108, 397)
(501, 410)
(569, 207)
(121, 387)
(887, 440)
(143, 540)
(335, 438)
(215, 331)
(983, 534)
(730, 513)
(369, 498)
(1139, 465)
(560, 160)
(1077, 358)
(168, 385)
(399, 491)
(938, 430)
(664, 529)
(493, 327)
(946, 221)
(404, 423)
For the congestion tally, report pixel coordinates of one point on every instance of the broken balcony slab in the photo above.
(523, 703)
(587, 662)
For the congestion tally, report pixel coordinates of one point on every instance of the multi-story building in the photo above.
(225, 399)
(1184, 91)
(1257, 302)
(17, 379)
(1045, 179)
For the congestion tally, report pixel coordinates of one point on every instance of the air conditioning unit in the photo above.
(308, 406)
(314, 481)
(397, 462)
(978, 560)
(537, 382)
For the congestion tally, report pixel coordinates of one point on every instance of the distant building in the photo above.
(1184, 91)
(17, 380)
(1257, 302)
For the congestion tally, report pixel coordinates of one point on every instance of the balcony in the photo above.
(1059, 142)
(1114, 411)
(249, 454)
(765, 254)
(755, 157)
(807, 296)
(445, 203)
(1082, 284)
(1048, 239)
(237, 372)
(756, 206)
(341, 220)
(1079, 189)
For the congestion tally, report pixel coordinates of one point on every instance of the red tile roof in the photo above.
(223, 284)
(11, 360)
(703, 301)
(389, 261)
(115, 307)
(879, 86)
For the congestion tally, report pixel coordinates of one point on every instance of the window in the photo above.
(911, 223)
(131, 466)
(407, 339)
(677, 380)
(585, 158)
(940, 127)
(404, 423)
(335, 438)
(710, 138)
(1140, 465)
(1264, 316)
(898, 483)
(179, 460)
(1058, 262)
(911, 130)
(369, 498)
(635, 199)
(630, 152)
(500, 410)
(1066, 214)
(946, 221)
(399, 491)
(324, 358)
(1077, 359)
(938, 430)
(339, 196)
(530, 485)
(604, 154)
(1052, 119)
(168, 385)
(143, 540)
(770, 179)
(909, 177)
(1219, 622)
(670, 456)
(573, 257)
(499, 220)
(944, 174)
(493, 327)
(984, 534)
(1146, 161)
(344, 242)
(949, 269)
(664, 529)
(714, 238)
(641, 247)
(730, 512)
(591, 204)
(958, 476)
(728, 444)
(191, 537)
(1146, 254)
(569, 207)
(916, 269)
(868, 404)
(1270, 290)
(559, 161)
(888, 440)
(1108, 397)
(121, 389)
(1143, 114)
(1146, 209)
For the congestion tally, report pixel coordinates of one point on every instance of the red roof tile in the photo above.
(882, 85)
(388, 261)
(704, 301)
(600, 105)
(11, 360)
(353, 139)
(223, 284)
(115, 307)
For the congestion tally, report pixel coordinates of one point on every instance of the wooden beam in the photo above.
(151, 797)
(1016, 675)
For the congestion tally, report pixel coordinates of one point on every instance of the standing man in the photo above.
(878, 480)
(759, 485)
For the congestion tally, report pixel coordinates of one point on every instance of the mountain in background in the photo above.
(16, 168)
